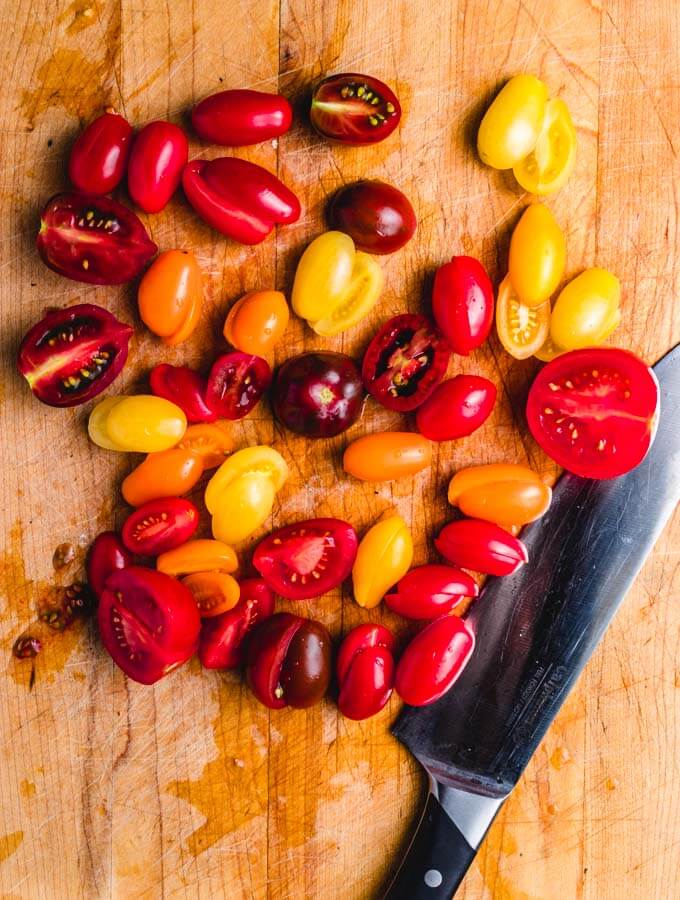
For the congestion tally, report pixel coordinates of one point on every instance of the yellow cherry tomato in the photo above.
(257, 321)
(170, 296)
(96, 424)
(140, 424)
(202, 555)
(549, 350)
(360, 297)
(551, 162)
(384, 556)
(538, 255)
(522, 329)
(214, 592)
(587, 310)
(387, 456)
(504, 493)
(243, 506)
(512, 124)
(259, 460)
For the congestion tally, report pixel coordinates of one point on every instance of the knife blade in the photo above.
(535, 631)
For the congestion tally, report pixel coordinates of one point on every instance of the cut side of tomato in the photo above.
(236, 383)
(522, 329)
(214, 592)
(551, 162)
(160, 525)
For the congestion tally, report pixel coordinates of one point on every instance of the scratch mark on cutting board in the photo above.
(9, 844)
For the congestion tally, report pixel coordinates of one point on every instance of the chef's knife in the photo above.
(535, 631)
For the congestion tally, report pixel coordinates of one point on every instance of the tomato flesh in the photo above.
(185, 387)
(430, 591)
(223, 638)
(160, 525)
(236, 383)
(354, 109)
(365, 670)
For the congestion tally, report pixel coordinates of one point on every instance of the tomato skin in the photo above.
(456, 408)
(236, 384)
(522, 329)
(256, 323)
(106, 555)
(344, 109)
(376, 215)
(462, 303)
(159, 155)
(211, 441)
(433, 661)
(384, 557)
(170, 296)
(99, 155)
(538, 255)
(199, 555)
(387, 455)
(168, 473)
(239, 118)
(224, 637)
(586, 311)
(214, 592)
(160, 525)
(512, 123)
(481, 546)
(365, 671)
(504, 493)
(261, 460)
(141, 423)
(427, 592)
(185, 388)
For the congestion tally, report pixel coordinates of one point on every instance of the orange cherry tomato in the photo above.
(214, 592)
(211, 441)
(257, 321)
(202, 555)
(387, 455)
(170, 296)
(503, 493)
(169, 473)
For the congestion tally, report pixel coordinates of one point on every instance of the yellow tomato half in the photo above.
(257, 321)
(587, 310)
(384, 556)
(504, 493)
(538, 255)
(359, 298)
(551, 162)
(214, 592)
(511, 125)
(521, 329)
(259, 460)
(242, 507)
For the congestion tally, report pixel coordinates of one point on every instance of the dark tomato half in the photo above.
(365, 670)
(354, 109)
(430, 591)
(100, 153)
(238, 118)
(185, 387)
(107, 555)
(223, 638)
(160, 525)
(236, 383)
(456, 408)
(377, 216)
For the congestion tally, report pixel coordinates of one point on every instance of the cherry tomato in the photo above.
(107, 555)
(159, 155)
(504, 493)
(387, 456)
(511, 125)
(354, 109)
(260, 460)
(538, 255)
(404, 362)
(430, 591)
(165, 474)
(595, 411)
(365, 670)
(256, 323)
(522, 329)
(376, 215)
(73, 354)
(335, 286)
(139, 424)
(434, 659)
(93, 239)
(212, 442)
(99, 155)
(160, 525)
(223, 637)
(586, 310)
(214, 592)
(238, 198)
(148, 623)
(551, 162)
(170, 296)
(202, 555)
(185, 388)
(481, 546)
(462, 303)
(548, 350)
(456, 408)
(307, 559)
(238, 118)
(384, 556)
(289, 661)
(236, 383)
(318, 394)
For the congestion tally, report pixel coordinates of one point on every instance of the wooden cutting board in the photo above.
(190, 788)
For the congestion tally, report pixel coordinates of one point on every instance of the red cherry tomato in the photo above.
(222, 641)
(462, 303)
(160, 525)
(159, 155)
(377, 216)
(236, 383)
(456, 408)
(73, 354)
(365, 670)
(238, 198)
(241, 117)
(93, 239)
(481, 546)
(99, 155)
(307, 559)
(289, 661)
(185, 387)
(107, 555)
(404, 362)
(433, 660)
(354, 109)
(149, 623)
(430, 591)
(595, 411)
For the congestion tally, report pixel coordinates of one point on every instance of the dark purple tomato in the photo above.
(354, 109)
(377, 216)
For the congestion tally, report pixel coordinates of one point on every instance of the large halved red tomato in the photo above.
(236, 383)
(595, 411)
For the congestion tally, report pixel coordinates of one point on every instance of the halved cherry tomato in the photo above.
(376, 215)
(595, 411)
(165, 474)
(202, 555)
(538, 255)
(404, 362)
(211, 441)
(365, 670)
(223, 638)
(548, 351)
(236, 383)
(170, 296)
(430, 591)
(107, 555)
(238, 118)
(522, 329)
(73, 354)
(160, 525)
(257, 321)
(387, 456)
(551, 162)
(100, 153)
(139, 424)
(462, 303)
(148, 623)
(260, 460)
(511, 125)
(214, 592)
(384, 556)
(586, 310)
(504, 493)
(456, 408)
(354, 109)
(433, 661)
(159, 155)
(93, 239)
(185, 388)
(481, 546)
(307, 559)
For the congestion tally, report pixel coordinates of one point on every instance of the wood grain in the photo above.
(190, 788)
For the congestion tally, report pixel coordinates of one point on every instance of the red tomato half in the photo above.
(481, 546)
(223, 638)
(159, 155)
(241, 117)
(307, 559)
(365, 670)
(185, 387)
(430, 591)
(462, 303)
(456, 408)
(595, 411)
(99, 156)
(236, 383)
(354, 109)
(160, 525)
(433, 660)
(107, 554)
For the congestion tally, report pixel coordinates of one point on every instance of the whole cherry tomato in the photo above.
(185, 388)
(462, 303)
(354, 109)
(165, 474)
(511, 125)
(159, 155)
(138, 424)
(170, 296)
(586, 310)
(73, 354)
(214, 592)
(93, 239)
(387, 456)
(107, 555)
(376, 215)
(365, 670)
(211, 441)
(384, 556)
(223, 638)
(289, 661)
(552, 160)
(481, 546)
(456, 408)
(504, 493)
(430, 591)
(538, 255)
(434, 659)
(238, 198)
(522, 329)
(99, 155)
(236, 384)
(256, 323)
(238, 118)
(202, 555)
(160, 525)
(148, 623)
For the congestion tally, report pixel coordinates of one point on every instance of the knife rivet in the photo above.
(433, 878)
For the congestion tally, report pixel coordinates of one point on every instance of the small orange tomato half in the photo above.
(257, 321)
(522, 329)
(170, 296)
(503, 493)
(214, 592)
(387, 456)
(211, 441)
(202, 555)
(169, 473)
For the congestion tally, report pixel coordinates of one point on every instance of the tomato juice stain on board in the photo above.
(80, 15)
(9, 844)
